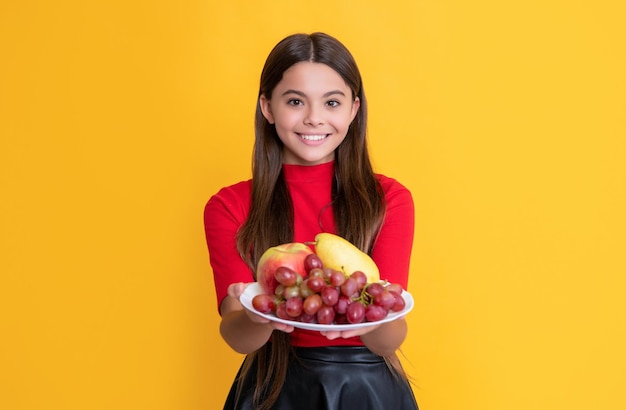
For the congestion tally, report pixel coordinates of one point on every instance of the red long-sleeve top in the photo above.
(310, 189)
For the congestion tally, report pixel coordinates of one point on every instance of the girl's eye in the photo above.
(294, 101)
(333, 103)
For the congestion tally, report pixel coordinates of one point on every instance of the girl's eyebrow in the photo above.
(328, 94)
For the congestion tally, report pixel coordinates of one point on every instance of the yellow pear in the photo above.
(337, 253)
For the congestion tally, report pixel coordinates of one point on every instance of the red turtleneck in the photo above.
(310, 189)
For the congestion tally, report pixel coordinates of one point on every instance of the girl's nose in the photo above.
(313, 116)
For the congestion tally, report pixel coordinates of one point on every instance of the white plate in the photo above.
(255, 289)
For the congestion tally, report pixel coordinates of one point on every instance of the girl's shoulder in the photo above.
(240, 189)
(390, 185)
(232, 196)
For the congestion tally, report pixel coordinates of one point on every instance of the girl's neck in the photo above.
(294, 172)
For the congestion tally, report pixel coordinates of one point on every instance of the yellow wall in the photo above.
(118, 119)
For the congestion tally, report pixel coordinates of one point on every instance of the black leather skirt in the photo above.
(333, 378)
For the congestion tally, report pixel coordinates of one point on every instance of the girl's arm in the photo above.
(392, 254)
(386, 338)
(242, 330)
(382, 340)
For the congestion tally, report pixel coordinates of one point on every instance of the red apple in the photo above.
(290, 255)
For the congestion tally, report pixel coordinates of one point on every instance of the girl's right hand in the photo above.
(235, 290)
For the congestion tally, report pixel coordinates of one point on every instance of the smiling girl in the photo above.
(311, 173)
(312, 108)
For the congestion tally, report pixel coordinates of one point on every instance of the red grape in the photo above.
(374, 289)
(355, 312)
(342, 304)
(286, 276)
(316, 284)
(327, 273)
(337, 278)
(325, 315)
(341, 319)
(394, 288)
(399, 305)
(385, 299)
(361, 279)
(281, 311)
(350, 287)
(264, 303)
(306, 318)
(312, 261)
(293, 307)
(374, 313)
(330, 295)
(312, 304)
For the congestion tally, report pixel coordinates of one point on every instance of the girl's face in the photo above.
(311, 108)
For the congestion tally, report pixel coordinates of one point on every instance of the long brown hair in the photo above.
(357, 199)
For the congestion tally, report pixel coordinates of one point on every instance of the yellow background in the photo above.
(119, 119)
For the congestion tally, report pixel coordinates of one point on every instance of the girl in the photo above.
(311, 173)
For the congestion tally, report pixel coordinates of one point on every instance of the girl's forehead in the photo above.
(312, 75)
(310, 66)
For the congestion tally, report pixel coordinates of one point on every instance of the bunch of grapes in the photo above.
(328, 296)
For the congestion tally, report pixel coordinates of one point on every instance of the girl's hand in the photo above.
(235, 290)
(346, 334)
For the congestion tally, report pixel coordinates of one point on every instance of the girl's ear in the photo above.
(266, 109)
(355, 107)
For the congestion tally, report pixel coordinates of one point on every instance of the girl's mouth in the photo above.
(313, 137)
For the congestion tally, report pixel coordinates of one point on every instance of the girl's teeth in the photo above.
(313, 137)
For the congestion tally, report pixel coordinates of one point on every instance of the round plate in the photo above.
(255, 289)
